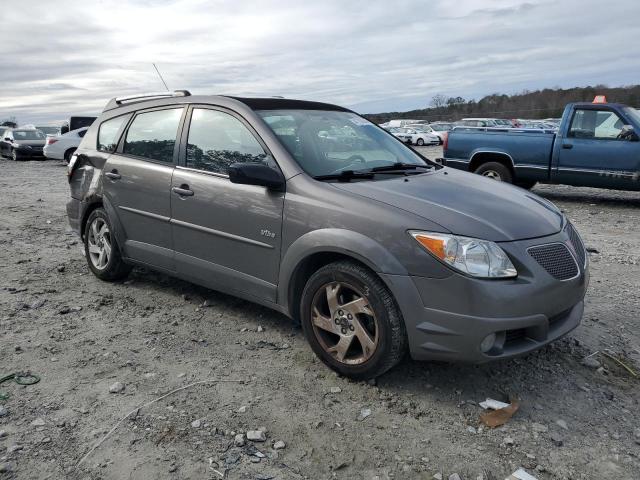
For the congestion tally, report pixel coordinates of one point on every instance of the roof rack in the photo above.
(117, 101)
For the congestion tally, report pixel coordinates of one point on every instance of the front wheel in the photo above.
(352, 321)
(101, 248)
(495, 171)
(420, 142)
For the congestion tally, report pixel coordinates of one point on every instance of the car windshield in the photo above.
(331, 142)
(28, 135)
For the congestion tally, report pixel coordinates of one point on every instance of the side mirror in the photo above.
(628, 133)
(256, 174)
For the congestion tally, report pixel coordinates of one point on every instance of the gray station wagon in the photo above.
(312, 210)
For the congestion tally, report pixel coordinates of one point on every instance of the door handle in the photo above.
(113, 175)
(183, 190)
(568, 146)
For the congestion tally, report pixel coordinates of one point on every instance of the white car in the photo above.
(418, 135)
(61, 147)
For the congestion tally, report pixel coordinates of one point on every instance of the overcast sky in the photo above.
(63, 57)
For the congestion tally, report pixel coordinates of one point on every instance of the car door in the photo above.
(591, 153)
(137, 182)
(225, 235)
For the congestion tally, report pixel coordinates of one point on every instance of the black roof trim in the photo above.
(271, 103)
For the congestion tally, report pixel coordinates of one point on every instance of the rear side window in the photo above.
(217, 139)
(107, 140)
(152, 135)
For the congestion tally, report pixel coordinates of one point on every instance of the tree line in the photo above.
(538, 104)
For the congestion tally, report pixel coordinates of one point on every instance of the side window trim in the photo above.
(182, 163)
(123, 135)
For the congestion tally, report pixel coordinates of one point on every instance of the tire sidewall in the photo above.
(500, 169)
(317, 281)
(67, 158)
(108, 270)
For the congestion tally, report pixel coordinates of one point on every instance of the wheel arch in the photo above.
(483, 156)
(321, 247)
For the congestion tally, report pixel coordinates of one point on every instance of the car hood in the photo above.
(466, 204)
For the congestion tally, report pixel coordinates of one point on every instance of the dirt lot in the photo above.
(154, 334)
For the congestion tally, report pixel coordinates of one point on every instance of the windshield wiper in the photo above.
(399, 167)
(345, 175)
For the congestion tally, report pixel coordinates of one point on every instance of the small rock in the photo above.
(562, 424)
(3, 411)
(437, 476)
(60, 268)
(364, 413)
(239, 440)
(38, 303)
(335, 390)
(636, 435)
(3, 434)
(64, 310)
(538, 427)
(14, 448)
(117, 387)
(256, 436)
(172, 468)
(38, 422)
(279, 445)
(242, 409)
(196, 423)
(471, 430)
(454, 476)
(591, 362)
(6, 468)
(260, 328)
(556, 438)
(509, 441)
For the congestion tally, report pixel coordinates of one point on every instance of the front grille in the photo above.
(556, 259)
(576, 241)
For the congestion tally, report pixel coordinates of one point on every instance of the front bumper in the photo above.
(447, 319)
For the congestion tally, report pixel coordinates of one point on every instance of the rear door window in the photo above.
(153, 135)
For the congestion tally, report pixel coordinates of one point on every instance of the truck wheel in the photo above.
(495, 171)
(101, 248)
(352, 321)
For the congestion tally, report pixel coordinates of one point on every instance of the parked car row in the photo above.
(38, 143)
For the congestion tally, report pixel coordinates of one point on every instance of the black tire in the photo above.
(392, 338)
(420, 142)
(68, 154)
(14, 155)
(114, 269)
(496, 171)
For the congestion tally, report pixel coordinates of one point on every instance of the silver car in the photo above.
(310, 209)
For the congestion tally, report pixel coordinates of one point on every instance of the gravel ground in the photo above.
(152, 334)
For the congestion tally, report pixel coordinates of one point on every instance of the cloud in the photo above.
(372, 55)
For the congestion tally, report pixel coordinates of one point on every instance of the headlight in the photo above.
(472, 256)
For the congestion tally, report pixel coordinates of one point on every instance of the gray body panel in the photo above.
(252, 242)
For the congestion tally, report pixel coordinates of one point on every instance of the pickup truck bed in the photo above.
(595, 146)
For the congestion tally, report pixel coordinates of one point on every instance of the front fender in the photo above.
(334, 240)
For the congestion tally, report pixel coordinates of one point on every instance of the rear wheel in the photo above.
(495, 171)
(420, 142)
(101, 248)
(68, 154)
(14, 155)
(352, 321)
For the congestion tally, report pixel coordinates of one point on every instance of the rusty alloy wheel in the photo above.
(344, 323)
